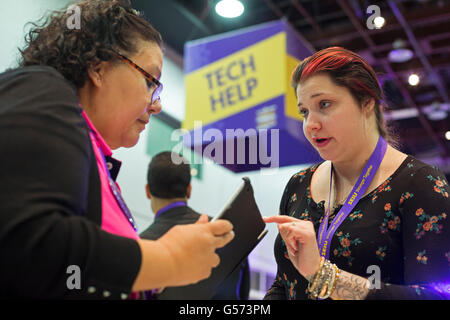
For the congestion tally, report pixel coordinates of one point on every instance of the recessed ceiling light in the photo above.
(413, 79)
(379, 22)
(229, 8)
(447, 135)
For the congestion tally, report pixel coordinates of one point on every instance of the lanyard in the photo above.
(326, 233)
(117, 195)
(170, 206)
(112, 184)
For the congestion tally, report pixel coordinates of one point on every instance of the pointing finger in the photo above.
(279, 219)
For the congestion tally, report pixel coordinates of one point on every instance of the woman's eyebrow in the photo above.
(312, 96)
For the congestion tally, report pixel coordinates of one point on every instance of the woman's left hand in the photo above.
(300, 239)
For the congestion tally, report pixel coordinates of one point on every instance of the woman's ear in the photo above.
(96, 73)
(369, 105)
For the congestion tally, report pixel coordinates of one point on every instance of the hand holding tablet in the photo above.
(249, 229)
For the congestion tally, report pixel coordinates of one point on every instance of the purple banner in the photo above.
(199, 53)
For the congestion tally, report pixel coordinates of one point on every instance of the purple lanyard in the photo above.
(326, 234)
(170, 206)
(112, 185)
(117, 195)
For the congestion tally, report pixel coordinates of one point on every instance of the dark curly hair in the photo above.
(105, 26)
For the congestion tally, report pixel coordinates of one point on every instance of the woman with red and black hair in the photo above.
(369, 222)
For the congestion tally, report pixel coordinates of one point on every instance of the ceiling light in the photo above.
(437, 115)
(447, 135)
(379, 22)
(413, 79)
(400, 53)
(229, 8)
(436, 111)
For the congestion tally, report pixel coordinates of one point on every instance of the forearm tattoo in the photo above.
(350, 287)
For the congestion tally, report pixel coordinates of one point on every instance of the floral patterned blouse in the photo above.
(401, 227)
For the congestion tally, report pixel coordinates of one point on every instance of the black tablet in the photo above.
(249, 229)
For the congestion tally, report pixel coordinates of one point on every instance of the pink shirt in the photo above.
(113, 218)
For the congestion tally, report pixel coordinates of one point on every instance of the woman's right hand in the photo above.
(184, 255)
(301, 244)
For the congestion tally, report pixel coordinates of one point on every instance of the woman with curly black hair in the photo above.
(78, 94)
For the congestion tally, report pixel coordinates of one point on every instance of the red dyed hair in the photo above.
(349, 70)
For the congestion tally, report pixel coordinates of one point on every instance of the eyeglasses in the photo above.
(153, 84)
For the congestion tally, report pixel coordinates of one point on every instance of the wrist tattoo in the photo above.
(351, 287)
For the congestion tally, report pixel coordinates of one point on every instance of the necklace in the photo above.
(326, 232)
(338, 201)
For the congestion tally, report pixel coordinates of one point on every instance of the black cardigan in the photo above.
(50, 197)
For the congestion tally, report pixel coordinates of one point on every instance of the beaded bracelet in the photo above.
(335, 280)
(312, 284)
(323, 284)
(330, 283)
(323, 279)
(322, 276)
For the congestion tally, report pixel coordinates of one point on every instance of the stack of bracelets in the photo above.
(324, 282)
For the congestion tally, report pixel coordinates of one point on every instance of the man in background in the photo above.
(169, 188)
